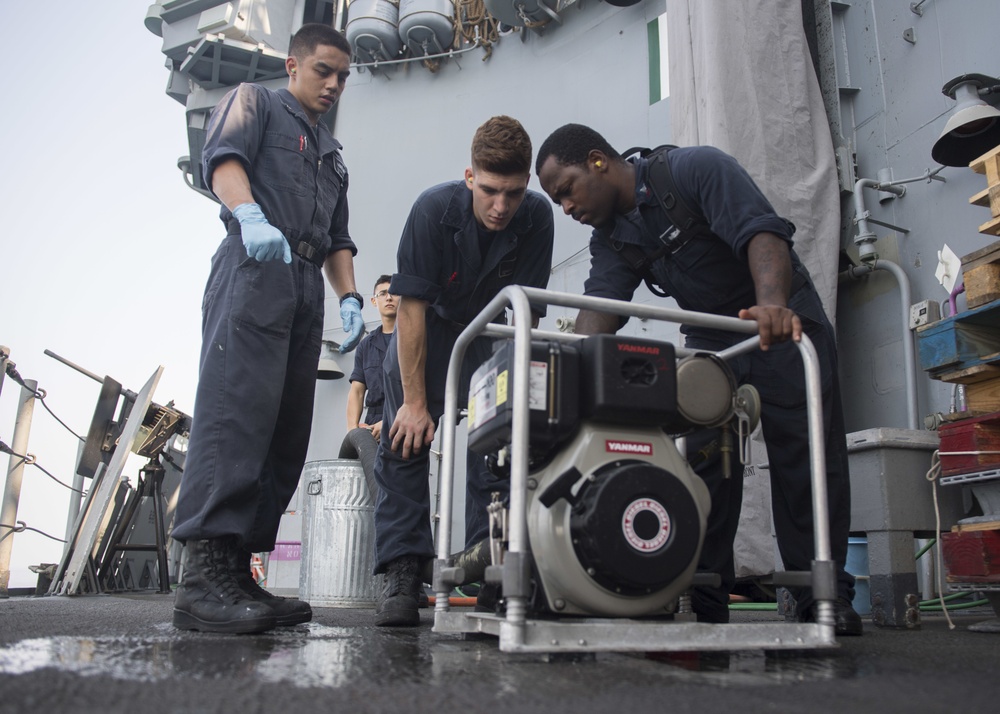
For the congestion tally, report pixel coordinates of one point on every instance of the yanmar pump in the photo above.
(616, 516)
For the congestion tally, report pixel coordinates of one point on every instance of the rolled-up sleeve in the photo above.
(733, 204)
(610, 277)
(235, 130)
(420, 256)
(340, 236)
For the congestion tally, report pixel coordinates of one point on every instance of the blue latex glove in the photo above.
(354, 324)
(262, 240)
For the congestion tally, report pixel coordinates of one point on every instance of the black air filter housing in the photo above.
(629, 381)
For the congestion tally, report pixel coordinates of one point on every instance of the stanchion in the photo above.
(15, 472)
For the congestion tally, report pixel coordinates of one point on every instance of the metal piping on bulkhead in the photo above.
(909, 356)
(865, 241)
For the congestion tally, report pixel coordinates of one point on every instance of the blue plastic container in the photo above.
(857, 565)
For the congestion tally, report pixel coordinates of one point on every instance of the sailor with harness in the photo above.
(694, 226)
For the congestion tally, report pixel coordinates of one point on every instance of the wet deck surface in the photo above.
(120, 654)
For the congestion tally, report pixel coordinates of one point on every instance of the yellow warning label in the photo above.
(502, 387)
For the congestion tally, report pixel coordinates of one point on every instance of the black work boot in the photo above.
(209, 598)
(846, 620)
(398, 602)
(287, 611)
(489, 599)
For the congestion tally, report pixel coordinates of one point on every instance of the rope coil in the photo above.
(932, 475)
(471, 21)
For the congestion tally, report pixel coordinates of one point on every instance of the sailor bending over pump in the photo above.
(734, 259)
(463, 242)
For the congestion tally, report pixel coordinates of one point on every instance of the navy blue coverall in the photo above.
(262, 323)
(368, 360)
(712, 275)
(439, 261)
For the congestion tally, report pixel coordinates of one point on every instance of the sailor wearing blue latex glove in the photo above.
(262, 329)
(262, 240)
(354, 324)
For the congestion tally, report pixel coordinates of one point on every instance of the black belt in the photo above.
(301, 248)
(306, 251)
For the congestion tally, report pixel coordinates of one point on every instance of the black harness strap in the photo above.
(687, 224)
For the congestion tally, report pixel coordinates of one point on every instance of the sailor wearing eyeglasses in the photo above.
(366, 379)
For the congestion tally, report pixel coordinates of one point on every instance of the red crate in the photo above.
(975, 434)
(972, 556)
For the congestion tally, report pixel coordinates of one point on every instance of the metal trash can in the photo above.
(338, 536)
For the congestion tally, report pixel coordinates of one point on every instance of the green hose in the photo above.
(947, 598)
(753, 606)
(958, 606)
(932, 605)
(930, 544)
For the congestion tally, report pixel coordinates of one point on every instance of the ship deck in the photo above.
(119, 653)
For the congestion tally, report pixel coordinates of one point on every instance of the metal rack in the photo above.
(986, 475)
(516, 631)
(976, 477)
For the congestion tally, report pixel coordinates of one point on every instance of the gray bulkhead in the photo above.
(881, 66)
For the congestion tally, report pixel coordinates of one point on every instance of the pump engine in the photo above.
(616, 516)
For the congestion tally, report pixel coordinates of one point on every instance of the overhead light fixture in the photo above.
(974, 127)
(329, 361)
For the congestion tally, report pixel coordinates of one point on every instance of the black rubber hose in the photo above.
(360, 444)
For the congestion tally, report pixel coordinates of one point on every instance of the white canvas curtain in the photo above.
(741, 79)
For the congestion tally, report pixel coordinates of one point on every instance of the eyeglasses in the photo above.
(382, 294)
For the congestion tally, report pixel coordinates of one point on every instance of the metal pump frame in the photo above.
(519, 633)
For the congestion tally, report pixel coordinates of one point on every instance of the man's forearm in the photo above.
(355, 405)
(339, 267)
(771, 267)
(589, 322)
(230, 184)
(411, 345)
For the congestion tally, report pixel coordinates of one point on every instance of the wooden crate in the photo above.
(971, 375)
(981, 275)
(989, 165)
(983, 396)
(960, 342)
(971, 556)
(982, 284)
(980, 433)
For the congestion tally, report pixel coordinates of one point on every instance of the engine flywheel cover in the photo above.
(635, 527)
